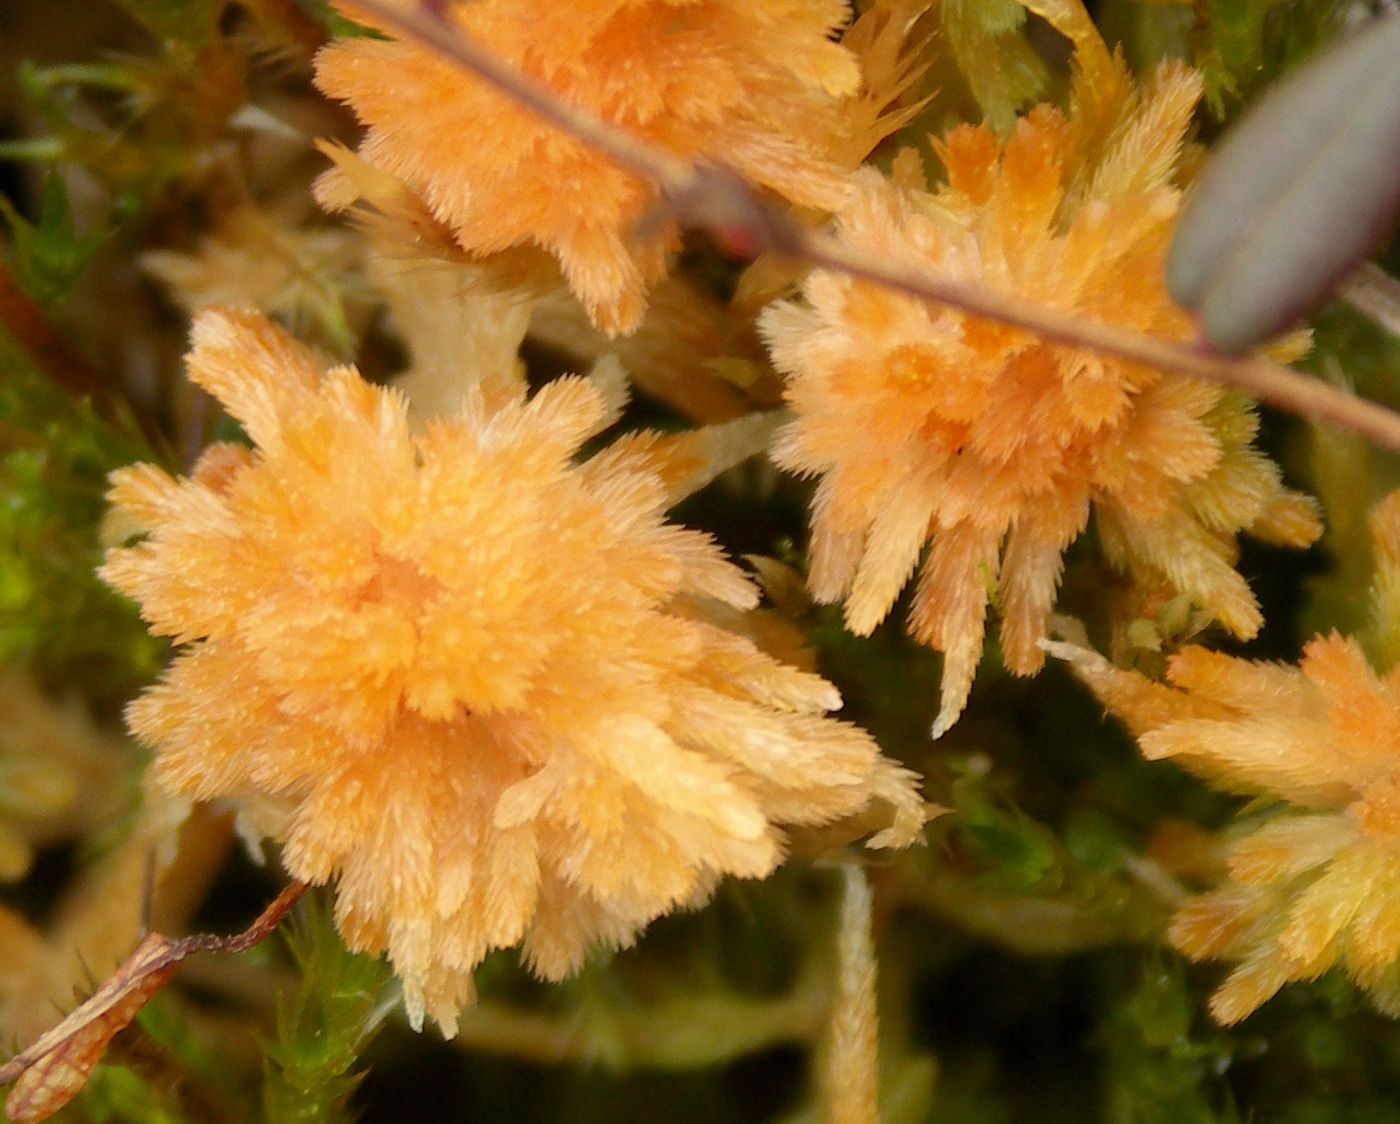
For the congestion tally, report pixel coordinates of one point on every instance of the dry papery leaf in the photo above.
(54, 1070)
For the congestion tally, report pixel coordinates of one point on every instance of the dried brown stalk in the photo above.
(25, 322)
(1273, 383)
(29, 326)
(52, 1071)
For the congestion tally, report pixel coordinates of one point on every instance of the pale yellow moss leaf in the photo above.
(852, 1065)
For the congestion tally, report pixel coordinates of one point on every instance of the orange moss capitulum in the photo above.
(1315, 884)
(755, 83)
(472, 682)
(990, 447)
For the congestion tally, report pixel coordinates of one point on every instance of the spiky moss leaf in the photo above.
(54, 614)
(159, 1071)
(1349, 477)
(1014, 850)
(1348, 346)
(48, 256)
(1149, 33)
(324, 1025)
(182, 21)
(1245, 44)
(336, 25)
(1016, 855)
(138, 124)
(1321, 1055)
(117, 1094)
(1265, 236)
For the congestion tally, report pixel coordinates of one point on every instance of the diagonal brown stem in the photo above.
(1273, 383)
(254, 934)
(427, 26)
(717, 200)
(29, 325)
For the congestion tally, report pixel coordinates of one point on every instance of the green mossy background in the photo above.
(1023, 973)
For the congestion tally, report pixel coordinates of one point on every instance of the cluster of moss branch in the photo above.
(161, 156)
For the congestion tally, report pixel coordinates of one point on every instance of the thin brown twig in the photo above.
(29, 326)
(26, 322)
(716, 199)
(1273, 383)
(254, 934)
(428, 26)
(154, 959)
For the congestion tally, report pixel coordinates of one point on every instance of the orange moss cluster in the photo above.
(476, 684)
(1311, 886)
(757, 84)
(991, 447)
(1316, 882)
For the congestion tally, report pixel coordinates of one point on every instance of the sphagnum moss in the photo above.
(443, 647)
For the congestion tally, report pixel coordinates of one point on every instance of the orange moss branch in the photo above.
(715, 199)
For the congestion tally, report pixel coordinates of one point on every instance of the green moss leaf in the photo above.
(1164, 1063)
(334, 23)
(183, 21)
(55, 615)
(987, 39)
(1244, 45)
(324, 1025)
(48, 256)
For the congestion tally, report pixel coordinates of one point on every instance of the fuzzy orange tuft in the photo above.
(472, 682)
(1310, 886)
(753, 83)
(990, 447)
